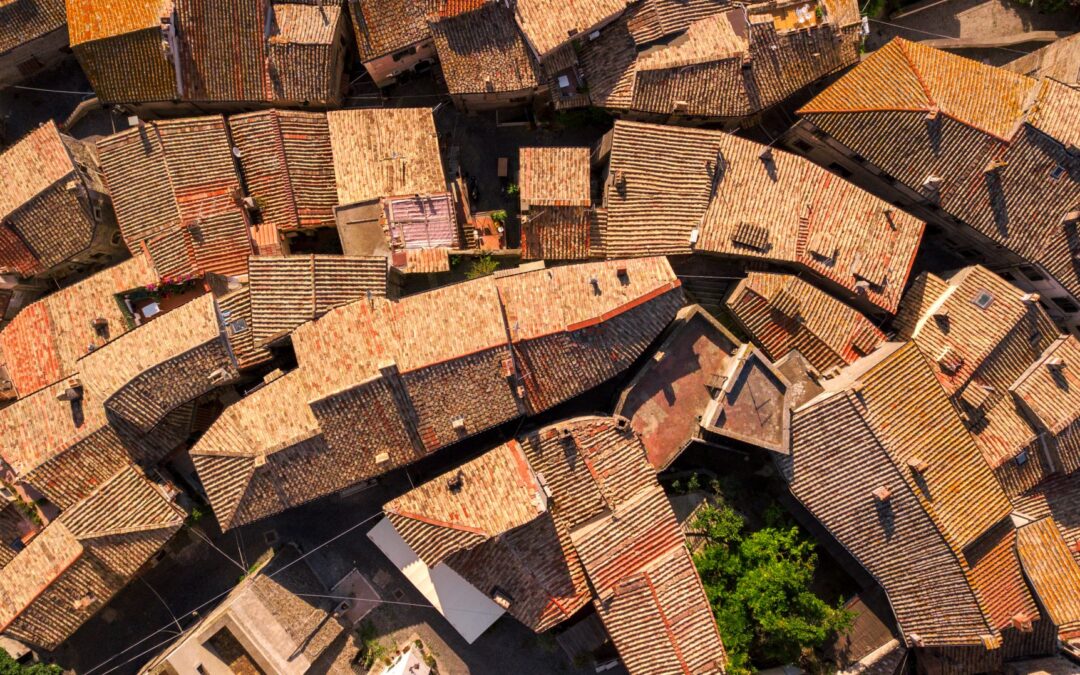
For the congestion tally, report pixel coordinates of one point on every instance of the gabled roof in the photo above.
(915, 487)
(1053, 572)
(908, 76)
(286, 291)
(287, 165)
(379, 385)
(44, 341)
(89, 20)
(782, 312)
(175, 190)
(383, 152)
(90, 552)
(481, 49)
(554, 177)
(547, 24)
(35, 163)
(385, 26)
(1048, 393)
(1059, 60)
(21, 22)
(666, 183)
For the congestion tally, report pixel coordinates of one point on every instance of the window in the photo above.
(801, 146)
(1021, 458)
(1007, 276)
(397, 56)
(237, 326)
(839, 170)
(983, 299)
(1057, 172)
(1031, 273)
(1065, 304)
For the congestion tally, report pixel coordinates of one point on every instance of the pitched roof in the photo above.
(1053, 572)
(33, 164)
(21, 22)
(997, 155)
(421, 222)
(387, 355)
(547, 24)
(384, 152)
(98, 544)
(385, 26)
(89, 20)
(286, 291)
(554, 177)
(44, 341)
(667, 182)
(286, 161)
(916, 489)
(910, 76)
(481, 50)
(226, 51)
(174, 186)
(1049, 395)
(782, 313)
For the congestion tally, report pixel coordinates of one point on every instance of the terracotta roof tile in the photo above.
(548, 23)
(1047, 393)
(421, 222)
(554, 177)
(45, 340)
(304, 24)
(481, 50)
(385, 152)
(1054, 573)
(88, 554)
(21, 22)
(90, 20)
(385, 26)
(667, 182)
(824, 330)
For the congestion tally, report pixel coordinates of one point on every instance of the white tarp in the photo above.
(468, 610)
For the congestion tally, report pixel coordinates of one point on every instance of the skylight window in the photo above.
(983, 299)
(1057, 172)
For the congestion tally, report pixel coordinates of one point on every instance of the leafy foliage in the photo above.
(9, 666)
(482, 267)
(758, 584)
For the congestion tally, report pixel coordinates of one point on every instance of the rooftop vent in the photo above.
(918, 465)
(882, 494)
(218, 376)
(1030, 298)
(949, 361)
(455, 482)
(751, 235)
(83, 603)
(501, 598)
(623, 274)
(694, 234)
(766, 155)
(995, 164)
(382, 458)
(933, 113)
(250, 204)
(1071, 217)
(1055, 363)
(595, 285)
(458, 423)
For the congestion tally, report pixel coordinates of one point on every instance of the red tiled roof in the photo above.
(1054, 573)
(22, 22)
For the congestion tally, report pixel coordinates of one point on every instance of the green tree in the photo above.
(9, 666)
(758, 584)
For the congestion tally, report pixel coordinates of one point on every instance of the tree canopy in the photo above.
(9, 666)
(758, 584)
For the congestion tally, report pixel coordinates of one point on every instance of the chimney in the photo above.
(933, 114)
(918, 465)
(995, 164)
(458, 423)
(595, 285)
(932, 182)
(766, 155)
(1055, 363)
(882, 494)
(501, 598)
(219, 376)
(1030, 298)
(622, 273)
(1021, 622)
(455, 482)
(1071, 217)
(382, 458)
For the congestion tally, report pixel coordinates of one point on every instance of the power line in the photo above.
(53, 91)
(948, 37)
(217, 597)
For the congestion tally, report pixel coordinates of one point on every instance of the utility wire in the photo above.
(949, 37)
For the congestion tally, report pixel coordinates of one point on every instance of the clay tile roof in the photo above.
(288, 169)
(44, 341)
(1055, 112)
(554, 177)
(710, 39)
(173, 185)
(385, 26)
(666, 182)
(21, 22)
(549, 23)
(1054, 573)
(89, 20)
(823, 329)
(996, 575)
(994, 344)
(302, 24)
(421, 221)
(33, 164)
(481, 50)
(486, 497)
(286, 291)
(908, 76)
(92, 550)
(1050, 388)
(385, 152)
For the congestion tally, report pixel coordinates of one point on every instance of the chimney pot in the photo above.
(882, 494)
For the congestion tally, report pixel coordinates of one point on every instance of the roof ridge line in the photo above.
(915, 71)
(427, 520)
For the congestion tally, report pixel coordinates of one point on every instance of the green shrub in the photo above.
(482, 267)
